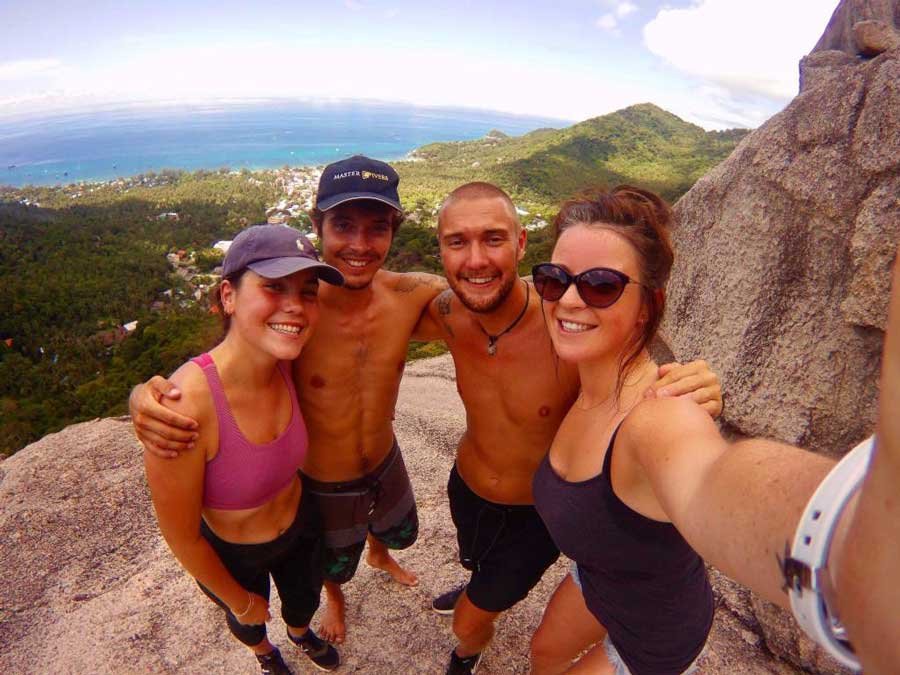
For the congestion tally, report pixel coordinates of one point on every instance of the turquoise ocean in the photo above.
(105, 144)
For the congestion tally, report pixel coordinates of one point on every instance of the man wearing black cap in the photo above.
(349, 378)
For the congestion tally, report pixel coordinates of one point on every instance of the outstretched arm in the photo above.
(868, 567)
(736, 505)
(694, 381)
(163, 431)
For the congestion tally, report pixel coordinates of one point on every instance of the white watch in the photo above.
(805, 570)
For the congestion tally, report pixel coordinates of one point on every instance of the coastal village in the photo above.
(297, 187)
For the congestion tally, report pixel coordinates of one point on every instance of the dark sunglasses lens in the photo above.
(549, 282)
(600, 288)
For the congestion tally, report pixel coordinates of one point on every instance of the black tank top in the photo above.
(639, 577)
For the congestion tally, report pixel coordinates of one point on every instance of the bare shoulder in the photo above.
(443, 302)
(655, 426)
(442, 309)
(178, 475)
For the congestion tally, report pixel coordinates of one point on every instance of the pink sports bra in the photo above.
(244, 475)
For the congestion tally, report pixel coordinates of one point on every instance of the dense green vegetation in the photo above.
(91, 258)
(74, 270)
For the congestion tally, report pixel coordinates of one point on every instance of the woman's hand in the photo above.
(256, 612)
(694, 381)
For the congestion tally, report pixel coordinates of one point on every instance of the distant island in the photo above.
(105, 283)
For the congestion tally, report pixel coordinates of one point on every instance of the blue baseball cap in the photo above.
(357, 177)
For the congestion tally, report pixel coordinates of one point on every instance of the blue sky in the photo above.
(718, 63)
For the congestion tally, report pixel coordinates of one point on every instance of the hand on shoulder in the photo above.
(195, 399)
(164, 424)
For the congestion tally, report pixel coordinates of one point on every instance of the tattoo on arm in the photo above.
(443, 307)
(408, 284)
(411, 281)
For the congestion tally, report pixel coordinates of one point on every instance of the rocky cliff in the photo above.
(783, 258)
(88, 585)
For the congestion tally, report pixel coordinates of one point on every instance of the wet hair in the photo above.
(480, 190)
(644, 220)
(235, 280)
(317, 216)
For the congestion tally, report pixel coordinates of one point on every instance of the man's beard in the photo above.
(484, 305)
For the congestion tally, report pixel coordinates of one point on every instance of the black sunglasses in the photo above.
(599, 286)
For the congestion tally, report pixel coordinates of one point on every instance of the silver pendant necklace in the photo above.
(492, 339)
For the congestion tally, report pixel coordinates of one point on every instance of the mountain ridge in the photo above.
(641, 144)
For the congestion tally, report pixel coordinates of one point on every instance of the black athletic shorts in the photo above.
(293, 561)
(507, 548)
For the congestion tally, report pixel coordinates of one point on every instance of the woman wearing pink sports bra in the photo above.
(233, 509)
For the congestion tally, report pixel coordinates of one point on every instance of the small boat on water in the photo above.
(11, 167)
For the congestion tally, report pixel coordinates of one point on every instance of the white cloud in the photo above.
(28, 68)
(607, 22)
(746, 48)
(618, 9)
(623, 9)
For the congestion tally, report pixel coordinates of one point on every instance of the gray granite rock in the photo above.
(88, 585)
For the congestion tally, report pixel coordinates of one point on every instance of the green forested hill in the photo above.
(642, 145)
(78, 262)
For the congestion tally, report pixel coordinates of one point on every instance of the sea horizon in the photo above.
(119, 141)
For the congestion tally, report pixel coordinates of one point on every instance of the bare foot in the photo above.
(333, 627)
(382, 560)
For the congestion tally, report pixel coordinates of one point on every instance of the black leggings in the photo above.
(293, 560)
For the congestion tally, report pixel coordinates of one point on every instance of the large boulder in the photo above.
(783, 258)
(858, 29)
(839, 33)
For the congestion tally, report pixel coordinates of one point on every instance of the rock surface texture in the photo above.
(90, 587)
(783, 256)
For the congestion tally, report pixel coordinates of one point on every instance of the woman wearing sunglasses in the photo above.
(636, 494)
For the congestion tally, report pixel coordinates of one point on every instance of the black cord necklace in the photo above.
(492, 339)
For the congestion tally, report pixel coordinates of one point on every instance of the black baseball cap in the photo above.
(275, 251)
(358, 177)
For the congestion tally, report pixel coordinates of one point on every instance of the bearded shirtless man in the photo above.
(515, 392)
(347, 382)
